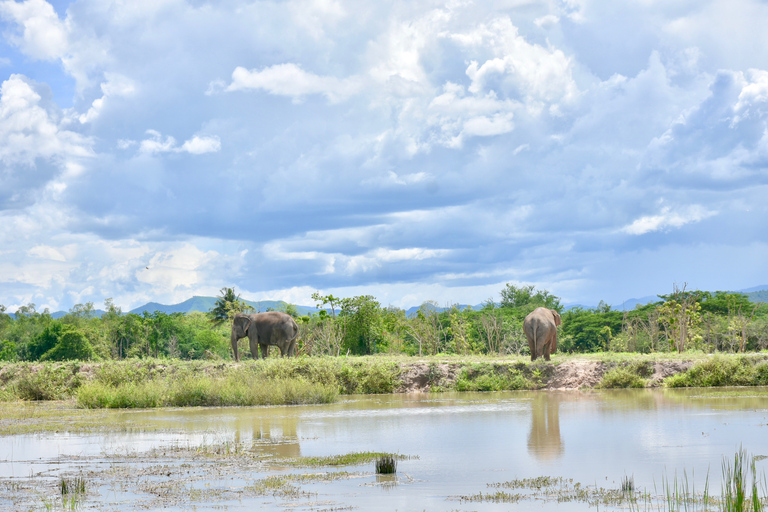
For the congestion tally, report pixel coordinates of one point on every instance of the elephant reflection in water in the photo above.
(274, 436)
(544, 441)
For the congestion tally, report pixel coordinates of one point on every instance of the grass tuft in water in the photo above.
(386, 465)
(740, 484)
(73, 486)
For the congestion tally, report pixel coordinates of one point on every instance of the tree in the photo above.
(332, 301)
(71, 343)
(227, 306)
(364, 324)
(518, 296)
(680, 316)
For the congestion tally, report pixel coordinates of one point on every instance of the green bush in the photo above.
(490, 377)
(47, 382)
(622, 377)
(722, 371)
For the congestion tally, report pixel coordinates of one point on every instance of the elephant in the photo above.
(540, 328)
(264, 329)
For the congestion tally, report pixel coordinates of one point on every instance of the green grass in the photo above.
(204, 391)
(348, 459)
(144, 383)
(723, 371)
(624, 376)
(493, 377)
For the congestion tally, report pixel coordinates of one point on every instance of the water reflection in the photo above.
(544, 440)
(271, 435)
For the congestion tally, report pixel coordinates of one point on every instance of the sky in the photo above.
(152, 150)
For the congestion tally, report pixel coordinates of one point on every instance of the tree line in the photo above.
(680, 321)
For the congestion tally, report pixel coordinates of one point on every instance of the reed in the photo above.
(386, 465)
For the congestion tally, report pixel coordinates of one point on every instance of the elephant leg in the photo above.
(546, 351)
(264, 350)
(254, 344)
(234, 349)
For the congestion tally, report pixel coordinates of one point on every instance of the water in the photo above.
(459, 444)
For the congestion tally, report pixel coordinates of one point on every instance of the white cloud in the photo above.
(197, 145)
(667, 219)
(28, 130)
(115, 86)
(535, 74)
(44, 35)
(290, 80)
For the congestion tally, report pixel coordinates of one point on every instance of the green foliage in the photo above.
(521, 296)
(624, 376)
(227, 305)
(722, 371)
(588, 330)
(204, 391)
(71, 344)
(492, 377)
(47, 382)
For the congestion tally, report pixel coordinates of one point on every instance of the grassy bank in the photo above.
(160, 382)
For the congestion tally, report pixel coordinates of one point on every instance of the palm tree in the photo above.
(227, 306)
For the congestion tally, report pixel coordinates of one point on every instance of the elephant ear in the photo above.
(555, 314)
(241, 322)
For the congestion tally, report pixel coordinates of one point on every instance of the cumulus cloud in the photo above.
(290, 80)
(425, 149)
(197, 145)
(29, 130)
(115, 86)
(43, 35)
(668, 218)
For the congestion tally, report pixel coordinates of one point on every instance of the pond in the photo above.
(457, 451)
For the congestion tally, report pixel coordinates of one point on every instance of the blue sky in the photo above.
(153, 150)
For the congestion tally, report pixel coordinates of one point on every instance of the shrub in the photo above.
(622, 377)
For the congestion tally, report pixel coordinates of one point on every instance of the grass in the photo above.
(629, 375)
(204, 391)
(348, 459)
(386, 465)
(741, 491)
(141, 383)
(723, 370)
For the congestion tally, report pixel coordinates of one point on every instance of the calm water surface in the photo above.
(462, 442)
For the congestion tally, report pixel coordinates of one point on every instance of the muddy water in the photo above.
(459, 444)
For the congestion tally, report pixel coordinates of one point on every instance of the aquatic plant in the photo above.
(348, 459)
(386, 465)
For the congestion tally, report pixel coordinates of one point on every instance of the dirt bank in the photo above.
(421, 377)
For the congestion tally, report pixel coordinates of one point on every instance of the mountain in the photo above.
(205, 304)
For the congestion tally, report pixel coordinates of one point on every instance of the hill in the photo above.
(205, 304)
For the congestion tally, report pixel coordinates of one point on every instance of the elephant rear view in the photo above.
(540, 328)
(264, 329)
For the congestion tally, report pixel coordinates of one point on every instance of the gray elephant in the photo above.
(540, 328)
(264, 329)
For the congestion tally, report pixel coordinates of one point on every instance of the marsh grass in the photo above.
(348, 459)
(142, 383)
(723, 371)
(386, 465)
(493, 377)
(622, 377)
(204, 391)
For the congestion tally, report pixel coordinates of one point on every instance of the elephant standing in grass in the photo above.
(540, 328)
(264, 329)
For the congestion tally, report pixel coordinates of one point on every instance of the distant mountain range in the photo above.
(205, 304)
